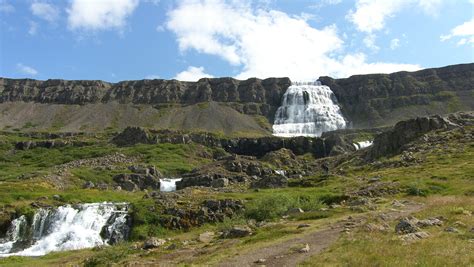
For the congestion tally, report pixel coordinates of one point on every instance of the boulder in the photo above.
(221, 182)
(407, 225)
(153, 242)
(133, 135)
(206, 237)
(237, 232)
(273, 181)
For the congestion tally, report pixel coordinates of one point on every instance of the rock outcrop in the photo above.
(392, 142)
(383, 99)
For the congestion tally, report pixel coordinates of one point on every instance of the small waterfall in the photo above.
(308, 109)
(363, 144)
(67, 228)
(168, 184)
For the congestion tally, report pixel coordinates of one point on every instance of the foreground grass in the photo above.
(365, 248)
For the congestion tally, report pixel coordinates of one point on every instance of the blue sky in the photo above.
(117, 40)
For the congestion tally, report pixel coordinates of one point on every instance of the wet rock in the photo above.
(153, 242)
(407, 225)
(134, 181)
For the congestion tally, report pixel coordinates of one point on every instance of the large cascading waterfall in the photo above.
(67, 228)
(308, 109)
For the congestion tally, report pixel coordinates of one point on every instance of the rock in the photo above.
(102, 186)
(429, 222)
(305, 249)
(451, 230)
(133, 135)
(372, 227)
(88, 185)
(172, 247)
(276, 181)
(397, 204)
(411, 237)
(135, 181)
(303, 225)
(392, 142)
(294, 211)
(407, 225)
(57, 197)
(153, 242)
(259, 261)
(238, 232)
(206, 237)
(221, 182)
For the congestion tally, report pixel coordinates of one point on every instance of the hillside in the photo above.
(224, 105)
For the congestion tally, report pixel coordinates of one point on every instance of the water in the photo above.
(363, 144)
(168, 184)
(308, 109)
(67, 228)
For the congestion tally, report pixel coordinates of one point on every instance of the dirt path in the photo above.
(287, 254)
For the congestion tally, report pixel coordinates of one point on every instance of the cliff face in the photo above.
(254, 95)
(366, 100)
(384, 99)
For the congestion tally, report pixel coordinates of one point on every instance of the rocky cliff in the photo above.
(366, 101)
(384, 99)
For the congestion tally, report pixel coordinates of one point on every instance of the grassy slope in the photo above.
(208, 116)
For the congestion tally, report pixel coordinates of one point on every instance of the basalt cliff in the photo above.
(225, 105)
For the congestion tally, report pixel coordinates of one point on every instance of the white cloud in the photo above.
(464, 31)
(323, 3)
(394, 43)
(24, 69)
(265, 43)
(371, 15)
(369, 41)
(5, 7)
(192, 74)
(33, 29)
(96, 15)
(45, 11)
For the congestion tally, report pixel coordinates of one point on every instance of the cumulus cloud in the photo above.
(192, 74)
(264, 42)
(464, 33)
(394, 43)
(24, 69)
(45, 11)
(6, 7)
(371, 15)
(93, 15)
(369, 42)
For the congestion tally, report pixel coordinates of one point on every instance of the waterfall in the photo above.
(363, 144)
(308, 109)
(67, 228)
(168, 184)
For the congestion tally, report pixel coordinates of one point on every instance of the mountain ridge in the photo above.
(371, 100)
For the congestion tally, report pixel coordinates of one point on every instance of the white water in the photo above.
(363, 144)
(308, 109)
(168, 184)
(66, 228)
